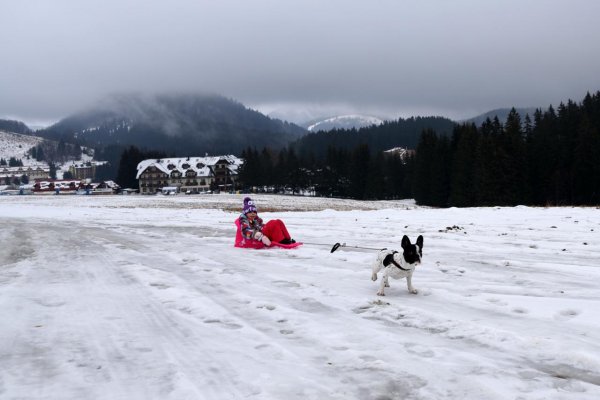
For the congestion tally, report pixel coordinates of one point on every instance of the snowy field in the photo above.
(131, 297)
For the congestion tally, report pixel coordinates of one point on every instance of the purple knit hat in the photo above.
(249, 206)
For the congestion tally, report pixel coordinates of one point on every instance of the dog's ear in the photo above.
(420, 242)
(405, 242)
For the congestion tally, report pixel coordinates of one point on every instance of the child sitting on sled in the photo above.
(252, 226)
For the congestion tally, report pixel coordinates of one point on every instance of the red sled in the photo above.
(241, 241)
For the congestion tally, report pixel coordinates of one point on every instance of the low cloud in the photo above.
(299, 59)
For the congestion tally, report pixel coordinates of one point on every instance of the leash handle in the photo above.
(337, 246)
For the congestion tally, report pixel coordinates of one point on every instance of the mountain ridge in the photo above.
(188, 124)
(501, 113)
(179, 124)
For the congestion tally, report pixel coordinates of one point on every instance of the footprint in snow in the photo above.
(340, 348)
(285, 284)
(50, 302)
(310, 305)
(161, 286)
(566, 314)
(267, 306)
(225, 324)
(362, 309)
(369, 307)
(496, 301)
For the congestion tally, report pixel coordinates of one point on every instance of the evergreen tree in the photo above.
(395, 178)
(539, 159)
(359, 171)
(40, 156)
(514, 162)
(486, 168)
(376, 180)
(52, 171)
(440, 173)
(295, 176)
(425, 157)
(586, 167)
(464, 144)
(249, 173)
(266, 168)
(331, 176)
(13, 162)
(280, 171)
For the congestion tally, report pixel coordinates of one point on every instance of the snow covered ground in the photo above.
(131, 297)
(18, 145)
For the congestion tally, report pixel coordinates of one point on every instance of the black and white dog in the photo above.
(398, 265)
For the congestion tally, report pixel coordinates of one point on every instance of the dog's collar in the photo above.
(398, 265)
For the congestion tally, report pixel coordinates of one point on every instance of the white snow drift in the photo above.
(146, 298)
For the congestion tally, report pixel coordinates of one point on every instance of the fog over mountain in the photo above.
(183, 124)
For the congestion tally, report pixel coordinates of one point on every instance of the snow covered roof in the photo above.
(201, 165)
(20, 170)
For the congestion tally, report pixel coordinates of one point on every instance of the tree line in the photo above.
(12, 162)
(399, 133)
(14, 126)
(550, 160)
(53, 152)
(346, 163)
(357, 173)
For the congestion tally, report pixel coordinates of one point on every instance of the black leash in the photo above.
(338, 245)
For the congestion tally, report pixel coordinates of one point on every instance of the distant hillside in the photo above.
(17, 145)
(14, 126)
(400, 133)
(180, 125)
(342, 122)
(501, 113)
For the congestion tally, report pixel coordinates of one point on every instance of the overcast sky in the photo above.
(300, 58)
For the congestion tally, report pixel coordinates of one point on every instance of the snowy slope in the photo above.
(17, 145)
(136, 297)
(344, 122)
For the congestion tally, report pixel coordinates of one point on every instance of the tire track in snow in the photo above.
(187, 365)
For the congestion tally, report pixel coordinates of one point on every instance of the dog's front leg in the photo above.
(374, 276)
(411, 289)
(383, 284)
(375, 268)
